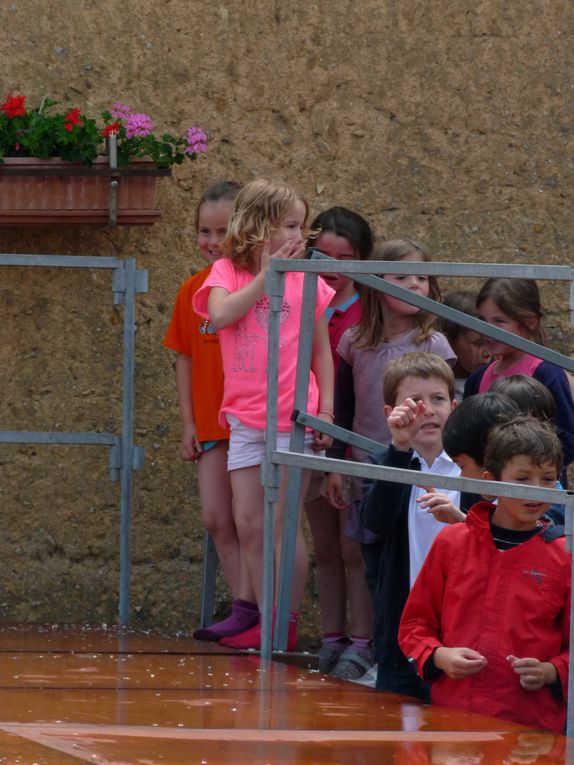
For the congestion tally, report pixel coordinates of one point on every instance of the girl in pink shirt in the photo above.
(268, 222)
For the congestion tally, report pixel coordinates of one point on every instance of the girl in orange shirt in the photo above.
(199, 379)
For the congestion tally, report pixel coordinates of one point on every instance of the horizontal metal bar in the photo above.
(56, 437)
(60, 261)
(341, 434)
(321, 264)
(415, 478)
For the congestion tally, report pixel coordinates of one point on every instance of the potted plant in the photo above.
(64, 167)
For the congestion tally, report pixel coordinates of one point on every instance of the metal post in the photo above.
(275, 288)
(114, 181)
(208, 581)
(294, 474)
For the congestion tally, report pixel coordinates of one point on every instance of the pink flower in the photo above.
(138, 125)
(119, 111)
(196, 141)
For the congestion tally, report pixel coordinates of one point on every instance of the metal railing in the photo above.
(365, 272)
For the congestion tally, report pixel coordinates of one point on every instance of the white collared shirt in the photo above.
(423, 526)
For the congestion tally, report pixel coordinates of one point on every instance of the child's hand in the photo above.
(404, 422)
(441, 506)
(322, 441)
(335, 494)
(290, 249)
(458, 662)
(190, 444)
(533, 674)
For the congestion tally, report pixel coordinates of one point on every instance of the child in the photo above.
(268, 222)
(388, 329)
(199, 380)
(514, 305)
(487, 621)
(343, 235)
(419, 391)
(466, 430)
(470, 347)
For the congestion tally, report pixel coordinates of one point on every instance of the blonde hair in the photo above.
(370, 331)
(421, 364)
(259, 209)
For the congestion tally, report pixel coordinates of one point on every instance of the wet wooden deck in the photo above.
(76, 695)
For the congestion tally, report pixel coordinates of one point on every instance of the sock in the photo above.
(243, 616)
(362, 646)
(251, 638)
(332, 638)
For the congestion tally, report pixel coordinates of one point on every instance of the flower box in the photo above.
(50, 191)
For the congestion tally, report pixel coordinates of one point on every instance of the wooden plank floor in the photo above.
(75, 695)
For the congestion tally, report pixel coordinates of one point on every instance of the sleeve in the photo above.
(384, 502)
(344, 347)
(557, 383)
(222, 275)
(178, 335)
(562, 660)
(344, 406)
(324, 297)
(420, 626)
(441, 347)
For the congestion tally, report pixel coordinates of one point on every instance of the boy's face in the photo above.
(523, 514)
(434, 394)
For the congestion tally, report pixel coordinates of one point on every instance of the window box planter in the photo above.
(49, 191)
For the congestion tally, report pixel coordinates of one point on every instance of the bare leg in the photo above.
(360, 600)
(217, 517)
(301, 566)
(325, 523)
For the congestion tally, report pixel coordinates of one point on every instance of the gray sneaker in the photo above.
(329, 655)
(351, 665)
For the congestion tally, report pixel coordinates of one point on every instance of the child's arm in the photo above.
(190, 445)
(226, 307)
(323, 369)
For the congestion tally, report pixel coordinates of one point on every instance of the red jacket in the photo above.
(470, 594)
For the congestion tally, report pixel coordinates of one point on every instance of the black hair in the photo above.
(350, 225)
(467, 427)
(530, 396)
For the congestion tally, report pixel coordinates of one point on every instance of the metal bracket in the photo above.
(119, 283)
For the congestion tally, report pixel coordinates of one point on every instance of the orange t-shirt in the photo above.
(192, 335)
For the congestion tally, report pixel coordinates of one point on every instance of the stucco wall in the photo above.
(448, 122)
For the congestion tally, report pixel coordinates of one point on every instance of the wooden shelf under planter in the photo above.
(50, 191)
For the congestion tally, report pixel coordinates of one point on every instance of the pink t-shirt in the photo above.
(526, 365)
(244, 347)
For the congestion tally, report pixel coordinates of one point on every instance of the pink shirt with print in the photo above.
(244, 347)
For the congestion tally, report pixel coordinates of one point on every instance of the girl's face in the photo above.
(212, 227)
(291, 227)
(412, 282)
(471, 349)
(338, 248)
(489, 312)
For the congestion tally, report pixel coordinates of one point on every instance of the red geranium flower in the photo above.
(14, 106)
(110, 129)
(72, 118)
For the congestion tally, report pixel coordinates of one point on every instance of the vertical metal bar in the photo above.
(275, 288)
(114, 181)
(569, 528)
(297, 444)
(208, 581)
(127, 439)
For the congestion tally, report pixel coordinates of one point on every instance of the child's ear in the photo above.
(488, 476)
(453, 404)
(387, 410)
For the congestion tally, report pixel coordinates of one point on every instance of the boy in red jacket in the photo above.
(487, 620)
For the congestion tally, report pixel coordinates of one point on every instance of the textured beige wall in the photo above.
(449, 122)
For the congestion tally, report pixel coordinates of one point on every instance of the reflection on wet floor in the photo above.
(76, 695)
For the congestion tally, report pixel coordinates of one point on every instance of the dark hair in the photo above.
(530, 396)
(348, 224)
(461, 300)
(419, 364)
(527, 437)
(220, 190)
(467, 427)
(517, 298)
(370, 331)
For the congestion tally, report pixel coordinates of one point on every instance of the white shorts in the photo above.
(247, 445)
